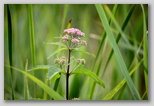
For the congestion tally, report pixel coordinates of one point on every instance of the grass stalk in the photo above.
(32, 40)
(145, 47)
(26, 88)
(98, 53)
(126, 21)
(117, 52)
(10, 42)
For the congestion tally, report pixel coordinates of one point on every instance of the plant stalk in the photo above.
(67, 75)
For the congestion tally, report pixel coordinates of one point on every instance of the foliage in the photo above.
(116, 53)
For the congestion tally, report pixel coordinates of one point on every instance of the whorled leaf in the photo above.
(57, 43)
(54, 73)
(40, 67)
(84, 52)
(57, 51)
(90, 74)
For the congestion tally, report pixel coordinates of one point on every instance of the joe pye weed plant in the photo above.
(72, 41)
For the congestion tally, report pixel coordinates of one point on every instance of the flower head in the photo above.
(56, 61)
(83, 61)
(74, 32)
(84, 43)
(65, 38)
(74, 40)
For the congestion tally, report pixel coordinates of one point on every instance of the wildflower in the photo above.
(84, 43)
(63, 61)
(78, 60)
(83, 61)
(74, 32)
(56, 61)
(65, 38)
(74, 40)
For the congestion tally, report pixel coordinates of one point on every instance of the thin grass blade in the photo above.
(10, 43)
(47, 89)
(121, 84)
(145, 48)
(117, 52)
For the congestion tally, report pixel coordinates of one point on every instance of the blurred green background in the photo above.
(49, 21)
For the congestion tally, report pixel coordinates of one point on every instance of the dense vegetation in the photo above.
(116, 34)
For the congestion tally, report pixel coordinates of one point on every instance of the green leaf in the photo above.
(121, 84)
(59, 50)
(53, 72)
(84, 52)
(47, 89)
(57, 43)
(117, 52)
(90, 74)
(40, 67)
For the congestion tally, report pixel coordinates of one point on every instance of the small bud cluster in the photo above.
(60, 61)
(83, 61)
(74, 35)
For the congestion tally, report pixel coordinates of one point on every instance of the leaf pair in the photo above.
(54, 73)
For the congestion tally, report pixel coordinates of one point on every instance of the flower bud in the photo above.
(65, 38)
(56, 61)
(74, 40)
(83, 61)
(84, 43)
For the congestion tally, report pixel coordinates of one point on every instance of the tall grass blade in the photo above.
(64, 16)
(32, 39)
(98, 53)
(121, 84)
(26, 88)
(10, 42)
(117, 53)
(145, 47)
(119, 35)
(47, 89)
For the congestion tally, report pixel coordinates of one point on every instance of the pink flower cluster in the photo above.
(60, 61)
(74, 40)
(72, 37)
(83, 61)
(65, 38)
(74, 31)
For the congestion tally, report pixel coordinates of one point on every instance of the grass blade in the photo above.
(47, 89)
(32, 40)
(26, 88)
(10, 46)
(98, 52)
(145, 47)
(31, 30)
(119, 35)
(117, 53)
(121, 84)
